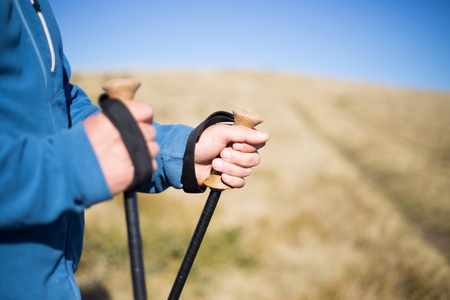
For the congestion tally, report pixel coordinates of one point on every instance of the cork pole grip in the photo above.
(121, 89)
(242, 117)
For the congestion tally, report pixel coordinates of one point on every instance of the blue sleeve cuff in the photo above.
(172, 140)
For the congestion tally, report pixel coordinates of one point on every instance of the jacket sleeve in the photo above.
(43, 177)
(172, 140)
(80, 106)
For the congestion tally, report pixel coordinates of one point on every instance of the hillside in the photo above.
(351, 200)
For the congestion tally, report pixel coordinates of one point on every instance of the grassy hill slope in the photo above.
(351, 200)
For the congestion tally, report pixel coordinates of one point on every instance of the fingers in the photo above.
(235, 166)
(141, 112)
(148, 131)
(243, 147)
(241, 159)
(149, 134)
(235, 182)
(230, 169)
(153, 148)
(235, 162)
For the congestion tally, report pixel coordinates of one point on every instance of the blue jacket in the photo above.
(48, 171)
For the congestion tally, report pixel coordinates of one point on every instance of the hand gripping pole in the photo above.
(124, 90)
(243, 117)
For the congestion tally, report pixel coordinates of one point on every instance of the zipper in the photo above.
(37, 7)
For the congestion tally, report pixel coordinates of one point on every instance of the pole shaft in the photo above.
(194, 245)
(135, 246)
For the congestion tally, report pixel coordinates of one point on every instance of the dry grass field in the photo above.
(351, 199)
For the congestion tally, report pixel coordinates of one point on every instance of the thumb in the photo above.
(241, 134)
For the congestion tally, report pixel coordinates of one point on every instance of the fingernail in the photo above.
(238, 147)
(226, 177)
(225, 153)
(263, 135)
(217, 164)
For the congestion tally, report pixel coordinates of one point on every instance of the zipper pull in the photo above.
(36, 6)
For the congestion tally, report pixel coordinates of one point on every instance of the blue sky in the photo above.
(396, 43)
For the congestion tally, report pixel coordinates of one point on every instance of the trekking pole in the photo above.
(243, 117)
(124, 89)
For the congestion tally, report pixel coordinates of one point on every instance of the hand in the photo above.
(110, 150)
(235, 162)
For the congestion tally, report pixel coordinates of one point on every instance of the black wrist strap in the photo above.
(132, 137)
(188, 177)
